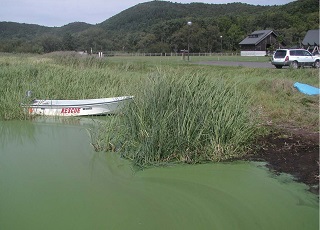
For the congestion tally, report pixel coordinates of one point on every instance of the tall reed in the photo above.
(77, 78)
(186, 119)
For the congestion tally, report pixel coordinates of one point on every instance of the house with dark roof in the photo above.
(259, 43)
(311, 41)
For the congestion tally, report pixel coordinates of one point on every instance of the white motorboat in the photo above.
(85, 107)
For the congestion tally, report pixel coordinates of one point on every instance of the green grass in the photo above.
(181, 112)
(179, 59)
(187, 118)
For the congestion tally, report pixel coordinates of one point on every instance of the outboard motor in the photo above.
(29, 93)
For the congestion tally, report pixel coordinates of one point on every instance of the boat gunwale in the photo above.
(87, 104)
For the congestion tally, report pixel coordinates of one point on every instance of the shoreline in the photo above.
(292, 151)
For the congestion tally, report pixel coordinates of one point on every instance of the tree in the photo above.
(234, 35)
(68, 42)
(212, 35)
(50, 43)
(146, 42)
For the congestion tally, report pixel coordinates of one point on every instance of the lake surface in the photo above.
(51, 178)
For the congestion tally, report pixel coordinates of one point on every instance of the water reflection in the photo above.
(16, 131)
(68, 121)
(22, 132)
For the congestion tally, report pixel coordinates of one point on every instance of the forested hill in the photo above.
(160, 26)
(148, 14)
(13, 30)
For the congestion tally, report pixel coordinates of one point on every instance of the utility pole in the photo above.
(189, 25)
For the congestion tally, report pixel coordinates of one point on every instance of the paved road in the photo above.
(231, 63)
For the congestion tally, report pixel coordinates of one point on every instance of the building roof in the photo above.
(311, 38)
(256, 37)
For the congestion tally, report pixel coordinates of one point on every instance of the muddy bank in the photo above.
(292, 151)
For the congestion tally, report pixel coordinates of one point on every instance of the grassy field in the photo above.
(181, 112)
(179, 59)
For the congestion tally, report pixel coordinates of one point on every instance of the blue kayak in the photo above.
(307, 89)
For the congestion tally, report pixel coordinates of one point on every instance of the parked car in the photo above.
(294, 58)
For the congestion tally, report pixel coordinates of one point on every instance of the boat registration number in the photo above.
(70, 110)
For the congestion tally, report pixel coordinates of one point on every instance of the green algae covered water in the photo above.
(50, 178)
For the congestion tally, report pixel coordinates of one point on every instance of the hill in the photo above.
(161, 26)
(147, 14)
(10, 30)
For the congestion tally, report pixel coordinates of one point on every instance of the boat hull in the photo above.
(86, 107)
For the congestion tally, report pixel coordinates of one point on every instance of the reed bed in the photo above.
(51, 79)
(188, 118)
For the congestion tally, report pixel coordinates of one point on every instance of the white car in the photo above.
(294, 58)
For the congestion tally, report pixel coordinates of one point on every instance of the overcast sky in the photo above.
(62, 12)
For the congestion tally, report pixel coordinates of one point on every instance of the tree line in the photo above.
(160, 26)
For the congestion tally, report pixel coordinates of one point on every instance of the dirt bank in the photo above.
(291, 150)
